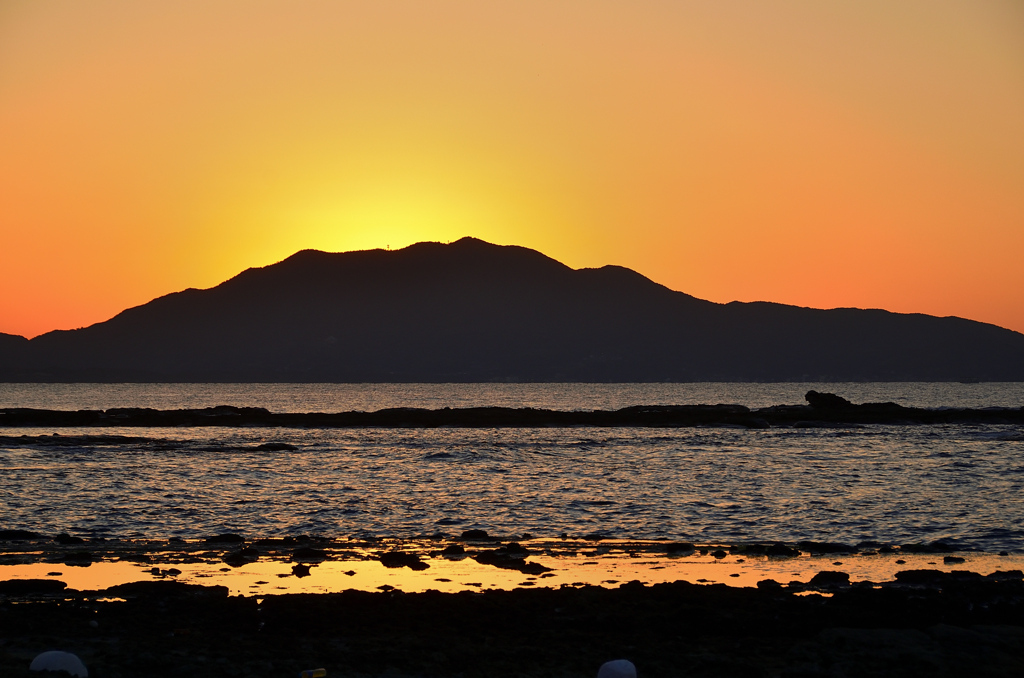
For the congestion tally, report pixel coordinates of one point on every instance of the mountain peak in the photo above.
(475, 311)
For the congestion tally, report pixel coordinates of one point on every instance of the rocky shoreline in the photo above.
(943, 626)
(822, 410)
(924, 622)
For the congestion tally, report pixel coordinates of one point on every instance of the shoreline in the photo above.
(937, 624)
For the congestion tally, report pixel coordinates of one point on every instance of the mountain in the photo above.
(473, 311)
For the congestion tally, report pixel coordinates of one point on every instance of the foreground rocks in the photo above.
(956, 627)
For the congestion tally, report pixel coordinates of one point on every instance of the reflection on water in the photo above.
(266, 577)
(895, 484)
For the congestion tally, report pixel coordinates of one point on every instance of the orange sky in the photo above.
(816, 153)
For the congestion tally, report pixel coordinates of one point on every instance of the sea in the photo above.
(959, 484)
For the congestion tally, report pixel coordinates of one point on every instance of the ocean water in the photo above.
(895, 484)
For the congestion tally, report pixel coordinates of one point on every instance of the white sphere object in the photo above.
(55, 660)
(619, 668)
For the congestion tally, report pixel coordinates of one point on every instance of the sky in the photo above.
(809, 152)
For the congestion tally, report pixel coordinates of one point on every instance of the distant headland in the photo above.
(471, 311)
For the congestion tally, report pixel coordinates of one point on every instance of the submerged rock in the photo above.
(396, 559)
(830, 578)
(23, 587)
(10, 535)
(229, 538)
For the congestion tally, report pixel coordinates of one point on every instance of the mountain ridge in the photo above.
(473, 311)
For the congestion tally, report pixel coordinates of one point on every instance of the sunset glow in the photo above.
(820, 154)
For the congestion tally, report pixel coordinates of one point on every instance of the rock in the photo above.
(8, 535)
(679, 547)
(58, 661)
(64, 539)
(1007, 575)
(619, 668)
(768, 584)
(827, 401)
(830, 578)
(502, 559)
(475, 534)
(781, 550)
(300, 570)
(229, 538)
(453, 550)
(920, 577)
(164, 588)
(78, 559)
(23, 587)
(718, 554)
(395, 559)
(953, 560)
(242, 557)
(514, 548)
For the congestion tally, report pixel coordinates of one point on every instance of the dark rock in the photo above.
(475, 534)
(300, 570)
(594, 537)
(719, 554)
(514, 548)
(768, 584)
(502, 559)
(827, 401)
(953, 560)
(165, 588)
(307, 554)
(830, 578)
(78, 559)
(781, 550)
(395, 559)
(679, 547)
(25, 587)
(1007, 575)
(228, 538)
(964, 575)
(921, 577)
(8, 535)
(65, 539)
(453, 550)
(242, 557)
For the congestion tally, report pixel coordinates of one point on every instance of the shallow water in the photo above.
(896, 484)
(595, 565)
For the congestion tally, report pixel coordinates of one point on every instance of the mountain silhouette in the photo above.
(473, 311)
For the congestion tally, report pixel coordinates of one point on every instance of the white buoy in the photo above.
(619, 668)
(55, 660)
